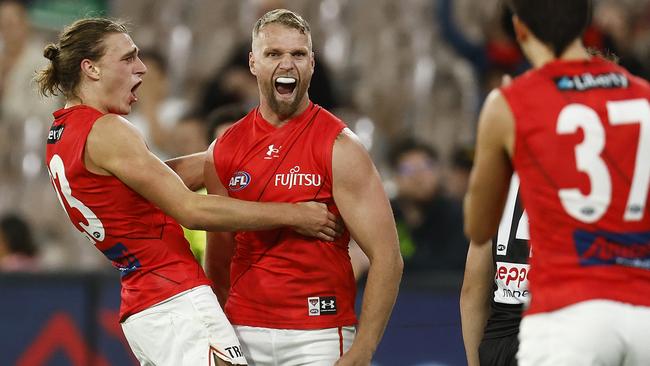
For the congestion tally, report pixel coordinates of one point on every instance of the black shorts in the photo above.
(500, 351)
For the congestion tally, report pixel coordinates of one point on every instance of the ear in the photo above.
(312, 62)
(251, 63)
(521, 30)
(90, 69)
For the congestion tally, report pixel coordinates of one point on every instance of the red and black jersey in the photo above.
(279, 278)
(144, 244)
(581, 150)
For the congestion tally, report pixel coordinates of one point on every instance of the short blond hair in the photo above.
(284, 17)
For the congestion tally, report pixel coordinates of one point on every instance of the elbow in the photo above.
(399, 264)
(465, 293)
(477, 233)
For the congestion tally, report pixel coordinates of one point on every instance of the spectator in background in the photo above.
(17, 249)
(189, 134)
(159, 111)
(220, 119)
(497, 55)
(429, 224)
(232, 84)
(612, 31)
(462, 160)
(21, 56)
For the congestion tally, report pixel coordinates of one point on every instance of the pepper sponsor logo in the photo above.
(512, 283)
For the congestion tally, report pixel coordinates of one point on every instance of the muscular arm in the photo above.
(360, 197)
(475, 298)
(190, 169)
(359, 260)
(115, 147)
(488, 184)
(221, 245)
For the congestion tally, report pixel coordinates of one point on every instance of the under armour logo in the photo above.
(327, 305)
(272, 152)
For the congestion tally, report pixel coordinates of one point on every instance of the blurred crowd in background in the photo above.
(407, 76)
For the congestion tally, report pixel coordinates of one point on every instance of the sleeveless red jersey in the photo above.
(281, 279)
(582, 152)
(144, 244)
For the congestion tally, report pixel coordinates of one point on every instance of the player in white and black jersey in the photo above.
(495, 289)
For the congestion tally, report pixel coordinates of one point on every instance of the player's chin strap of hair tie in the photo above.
(52, 52)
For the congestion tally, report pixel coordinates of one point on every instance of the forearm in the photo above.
(218, 213)
(474, 312)
(218, 254)
(190, 169)
(475, 297)
(378, 300)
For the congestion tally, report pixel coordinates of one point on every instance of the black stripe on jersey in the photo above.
(518, 250)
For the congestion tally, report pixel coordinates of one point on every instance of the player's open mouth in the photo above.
(135, 87)
(285, 85)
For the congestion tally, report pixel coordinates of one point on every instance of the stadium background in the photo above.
(391, 69)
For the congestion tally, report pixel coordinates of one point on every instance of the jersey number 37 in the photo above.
(591, 207)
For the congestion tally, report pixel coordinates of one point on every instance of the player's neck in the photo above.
(277, 120)
(540, 54)
(86, 97)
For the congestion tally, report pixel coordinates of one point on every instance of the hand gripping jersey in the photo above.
(510, 252)
(279, 278)
(144, 244)
(582, 152)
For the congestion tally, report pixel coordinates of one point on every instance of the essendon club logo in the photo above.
(314, 306)
(239, 181)
(324, 305)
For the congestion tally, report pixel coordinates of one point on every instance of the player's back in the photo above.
(144, 244)
(582, 148)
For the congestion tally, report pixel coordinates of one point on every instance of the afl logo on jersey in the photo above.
(239, 181)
